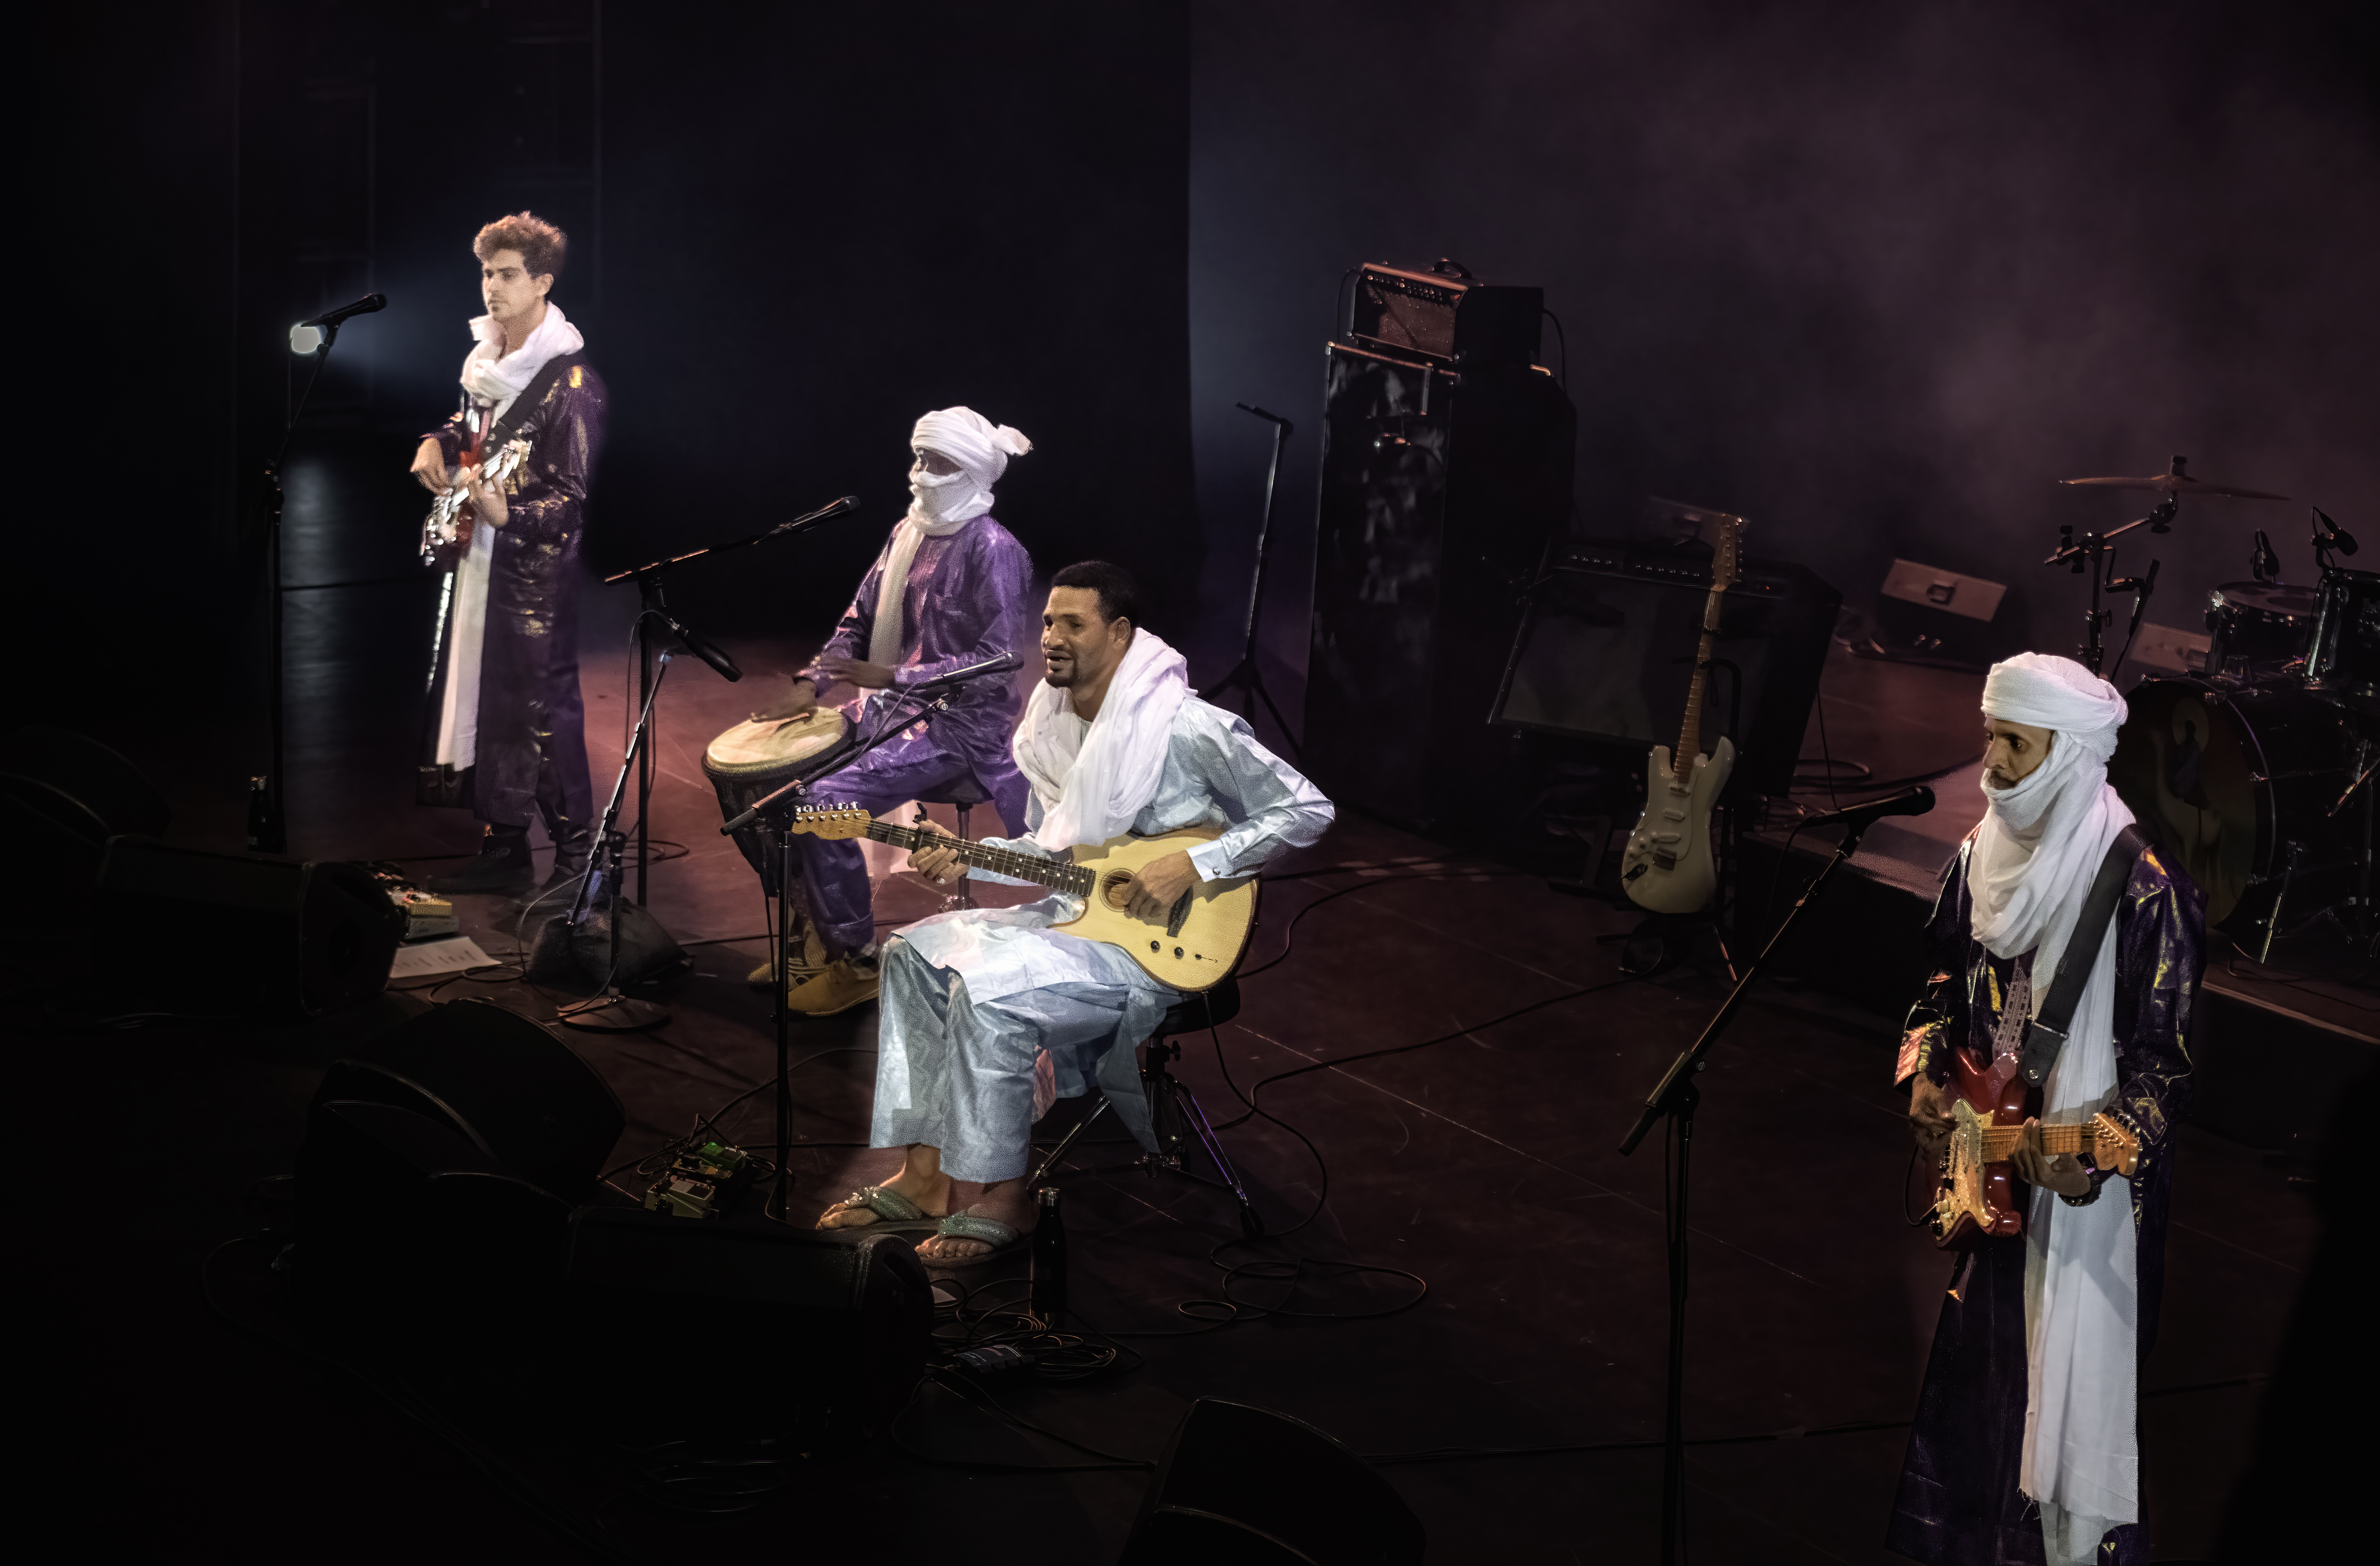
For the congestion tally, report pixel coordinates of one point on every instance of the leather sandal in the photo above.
(893, 1210)
(1002, 1239)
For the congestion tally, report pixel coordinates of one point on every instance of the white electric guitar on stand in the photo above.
(1667, 866)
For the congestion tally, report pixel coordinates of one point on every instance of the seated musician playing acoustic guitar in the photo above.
(988, 1014)
(2030, 1394)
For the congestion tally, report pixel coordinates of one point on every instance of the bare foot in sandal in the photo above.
(920, 1183)
(1008, 1203)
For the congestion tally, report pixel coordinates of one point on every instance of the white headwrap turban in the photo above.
(2035, 857)
(939, 505)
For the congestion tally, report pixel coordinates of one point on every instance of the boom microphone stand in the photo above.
(1674, 1098)
(605, 868)
(774, 811)
(1245, 675)
(653, 610)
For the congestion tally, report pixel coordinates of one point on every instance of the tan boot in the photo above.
(809, 959)
(847, 982)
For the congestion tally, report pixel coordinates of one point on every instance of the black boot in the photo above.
(503, 867)
(560, 890)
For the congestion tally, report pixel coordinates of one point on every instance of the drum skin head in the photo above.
(2183, 764)
(773, 744)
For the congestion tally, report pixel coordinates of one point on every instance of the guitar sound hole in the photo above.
(1116, 891)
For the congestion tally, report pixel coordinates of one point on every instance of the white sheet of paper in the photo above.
(452, 954)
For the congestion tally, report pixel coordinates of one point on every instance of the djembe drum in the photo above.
(755, 760)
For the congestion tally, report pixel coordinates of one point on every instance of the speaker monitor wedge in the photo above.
(1249, 1486)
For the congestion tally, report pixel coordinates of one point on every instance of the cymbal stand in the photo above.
(2094, 554)
(1245, 676)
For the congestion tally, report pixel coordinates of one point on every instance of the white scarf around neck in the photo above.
(494, 377)
(2035, 857)
(939, 505)
(1094, 793)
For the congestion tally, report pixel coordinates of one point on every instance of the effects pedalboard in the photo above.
(426, 914)
(701, 1182)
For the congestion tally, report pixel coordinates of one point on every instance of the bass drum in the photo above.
(754, 759)
(2237, 782)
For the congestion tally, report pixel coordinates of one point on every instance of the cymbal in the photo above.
(2176, 483)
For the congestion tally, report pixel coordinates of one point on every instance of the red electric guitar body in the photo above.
(1979, 1199)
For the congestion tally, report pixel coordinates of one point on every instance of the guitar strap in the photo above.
(532, 398)
(2044, 1035)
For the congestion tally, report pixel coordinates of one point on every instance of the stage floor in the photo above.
(1484, 1164)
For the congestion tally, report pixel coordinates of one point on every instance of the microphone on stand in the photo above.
(709, 653)
(1859, 818)
(2338, 537)
(1003, 664)
(364, 306)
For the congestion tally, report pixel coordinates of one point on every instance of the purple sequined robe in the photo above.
(532, 742)
(1959, 1501)
(968, 599)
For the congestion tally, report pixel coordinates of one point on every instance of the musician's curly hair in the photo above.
(540, 243)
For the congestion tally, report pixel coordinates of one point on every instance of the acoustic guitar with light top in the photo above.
(1667, 868)
(1193, 947)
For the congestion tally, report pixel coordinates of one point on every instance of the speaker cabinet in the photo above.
(208, 934)
(503, 1084)
(1439, 488)
(1248, 1486)
(748, 1326)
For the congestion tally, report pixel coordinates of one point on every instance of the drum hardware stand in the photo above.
(604, 867)
(1245, 676)
(1674, 1098)
(2094, 554)
(651, 609)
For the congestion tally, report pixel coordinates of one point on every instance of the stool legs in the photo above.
(1175, 1117)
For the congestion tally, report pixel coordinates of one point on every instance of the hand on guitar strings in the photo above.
(1929, 1116)
(2063, 1174)
(1160, 885)
(487, 499)
(429, 467)
(939, 865)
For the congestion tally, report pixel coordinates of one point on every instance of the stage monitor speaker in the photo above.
(1606, 648)
(504, 1084)
(409, 1214)
(748, 1326)
(191, 931)
(67, 794)
(1244, 1485)
(1936, 613)
(1438, 490)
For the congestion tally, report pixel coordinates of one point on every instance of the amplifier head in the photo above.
(1444, 314)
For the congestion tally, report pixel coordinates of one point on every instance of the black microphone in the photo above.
(364, 306)
(2263, 562)
(714, 656)
(2340, 539)
(826, 513)
(1003, 664)
(1908, 802)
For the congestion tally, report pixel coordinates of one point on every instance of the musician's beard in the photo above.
(1060, 674)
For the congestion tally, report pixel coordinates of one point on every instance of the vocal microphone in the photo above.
(1859, 818)
(364, 306)
(826, 513)
(709, 653)
(2340, 539)
(1003, 664)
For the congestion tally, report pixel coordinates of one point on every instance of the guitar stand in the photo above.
(1174, 1115)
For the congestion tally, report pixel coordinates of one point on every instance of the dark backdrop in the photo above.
(793, 229)
(1875, 276)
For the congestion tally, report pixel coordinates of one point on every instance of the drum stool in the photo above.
(1173, 1112)
(964, 795)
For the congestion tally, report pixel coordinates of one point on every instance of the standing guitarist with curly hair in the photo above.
(505, 731)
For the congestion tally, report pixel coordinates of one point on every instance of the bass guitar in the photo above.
(1666, 868)
(1988, 1109)
(446, 531)
(1193, 947)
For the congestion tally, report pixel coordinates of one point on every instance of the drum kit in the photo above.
(2255, 771)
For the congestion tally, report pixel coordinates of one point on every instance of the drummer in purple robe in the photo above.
(952, 588)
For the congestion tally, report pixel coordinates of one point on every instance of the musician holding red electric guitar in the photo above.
(2048, 1061)
(504, 734)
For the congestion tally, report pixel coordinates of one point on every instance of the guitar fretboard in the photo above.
(1690, 729)
(2002, 1141)
(1056, 874)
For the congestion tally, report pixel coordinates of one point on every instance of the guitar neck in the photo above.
(2001, 1142)
(1690, 728)
(1056, 874)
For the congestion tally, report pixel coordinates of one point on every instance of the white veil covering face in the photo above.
(939, 505)
(2035, 857)
(1093, 793)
